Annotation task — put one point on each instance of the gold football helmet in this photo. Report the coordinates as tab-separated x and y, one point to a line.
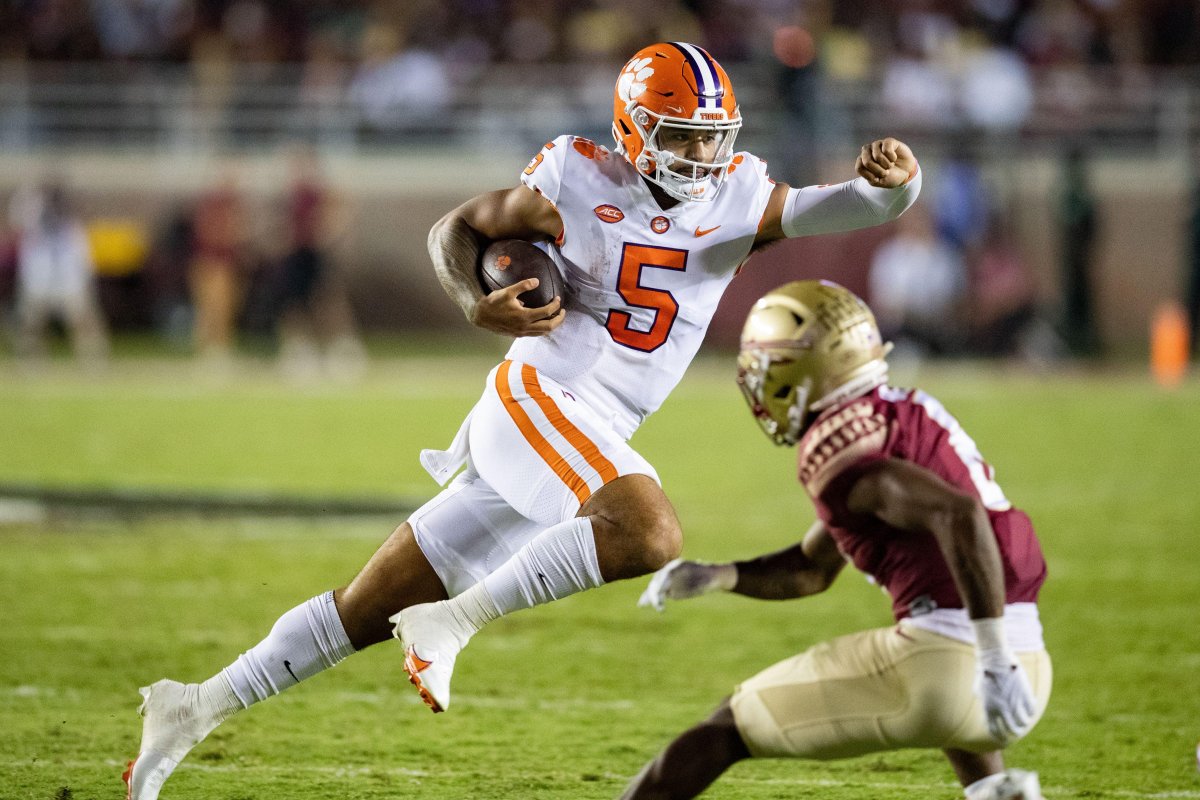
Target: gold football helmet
805	347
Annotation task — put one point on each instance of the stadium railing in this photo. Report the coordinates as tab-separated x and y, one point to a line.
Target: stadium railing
189	109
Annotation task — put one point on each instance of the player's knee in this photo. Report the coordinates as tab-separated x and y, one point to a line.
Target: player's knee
635	525
635	546
669	545
662	541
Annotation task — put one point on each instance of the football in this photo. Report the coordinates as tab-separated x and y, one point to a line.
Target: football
508	261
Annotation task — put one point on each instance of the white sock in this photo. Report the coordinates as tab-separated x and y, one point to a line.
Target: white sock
559	561
305	641
474	607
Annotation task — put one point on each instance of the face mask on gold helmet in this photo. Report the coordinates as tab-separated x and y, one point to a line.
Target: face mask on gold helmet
805	347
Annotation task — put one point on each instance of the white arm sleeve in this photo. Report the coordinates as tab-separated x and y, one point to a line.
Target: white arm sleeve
845	206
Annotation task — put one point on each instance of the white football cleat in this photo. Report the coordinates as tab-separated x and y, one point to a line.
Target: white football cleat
172	726
432	637
1013	784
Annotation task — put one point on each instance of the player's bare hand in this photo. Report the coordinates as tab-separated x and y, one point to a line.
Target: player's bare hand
886	163
502	312
681	579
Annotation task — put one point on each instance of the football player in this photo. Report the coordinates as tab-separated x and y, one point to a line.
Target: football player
553	500
901	492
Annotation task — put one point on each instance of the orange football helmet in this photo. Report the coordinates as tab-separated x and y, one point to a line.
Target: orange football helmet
667	88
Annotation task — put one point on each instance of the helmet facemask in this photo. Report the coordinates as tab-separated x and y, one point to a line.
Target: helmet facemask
680	177
779	403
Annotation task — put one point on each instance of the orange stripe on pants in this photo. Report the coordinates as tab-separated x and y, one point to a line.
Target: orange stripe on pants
543	448
586	447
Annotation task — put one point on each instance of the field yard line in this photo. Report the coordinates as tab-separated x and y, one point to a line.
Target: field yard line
442	773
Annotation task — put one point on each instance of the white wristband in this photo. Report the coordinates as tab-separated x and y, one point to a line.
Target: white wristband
989	634
727	576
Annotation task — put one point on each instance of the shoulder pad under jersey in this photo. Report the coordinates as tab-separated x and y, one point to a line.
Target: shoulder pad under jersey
835	443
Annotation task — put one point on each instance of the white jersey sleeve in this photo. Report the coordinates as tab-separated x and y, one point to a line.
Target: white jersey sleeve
545	171
848	206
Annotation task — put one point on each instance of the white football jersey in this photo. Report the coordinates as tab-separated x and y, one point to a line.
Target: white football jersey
642	283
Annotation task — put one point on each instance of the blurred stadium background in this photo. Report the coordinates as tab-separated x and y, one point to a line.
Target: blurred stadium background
1060	225
1059	139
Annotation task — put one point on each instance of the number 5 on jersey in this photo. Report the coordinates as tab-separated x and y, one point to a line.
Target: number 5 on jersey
634	259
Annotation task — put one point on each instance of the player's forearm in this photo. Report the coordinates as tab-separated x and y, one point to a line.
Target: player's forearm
783	575
969	546
845	206
454	249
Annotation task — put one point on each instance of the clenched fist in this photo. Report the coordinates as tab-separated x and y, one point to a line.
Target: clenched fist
886	163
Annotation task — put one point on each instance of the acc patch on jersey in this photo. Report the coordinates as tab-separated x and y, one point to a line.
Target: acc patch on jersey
609	213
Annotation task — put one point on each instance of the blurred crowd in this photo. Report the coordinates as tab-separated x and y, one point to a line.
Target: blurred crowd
950	278
473	33
373	69
203	279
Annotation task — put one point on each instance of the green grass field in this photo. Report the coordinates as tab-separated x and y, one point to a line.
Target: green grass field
568	700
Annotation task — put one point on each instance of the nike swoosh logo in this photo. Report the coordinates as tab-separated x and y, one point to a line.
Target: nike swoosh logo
288	666
707	231
414	663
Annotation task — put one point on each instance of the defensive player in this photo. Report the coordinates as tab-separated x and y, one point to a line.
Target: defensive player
902	492
553	500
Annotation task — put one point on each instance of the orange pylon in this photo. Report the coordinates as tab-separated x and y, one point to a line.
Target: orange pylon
1169	344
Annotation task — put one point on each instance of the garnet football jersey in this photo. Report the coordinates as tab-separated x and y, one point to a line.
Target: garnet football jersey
911	425
642	282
